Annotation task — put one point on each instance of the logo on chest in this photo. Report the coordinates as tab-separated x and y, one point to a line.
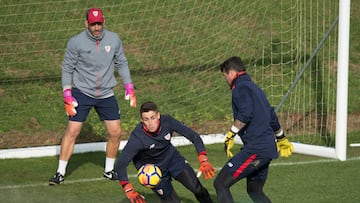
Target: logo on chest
107	48
167	136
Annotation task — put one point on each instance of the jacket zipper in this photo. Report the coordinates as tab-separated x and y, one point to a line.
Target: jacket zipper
97	91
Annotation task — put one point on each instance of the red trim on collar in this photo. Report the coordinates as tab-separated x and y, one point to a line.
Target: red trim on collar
238	74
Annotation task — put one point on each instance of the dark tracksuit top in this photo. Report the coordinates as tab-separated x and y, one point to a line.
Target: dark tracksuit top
156	148
251	106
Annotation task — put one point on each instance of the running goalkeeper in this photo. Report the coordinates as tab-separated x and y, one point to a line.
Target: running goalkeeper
150	142
256	122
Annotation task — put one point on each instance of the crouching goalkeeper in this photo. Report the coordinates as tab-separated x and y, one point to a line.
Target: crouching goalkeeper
256	122
150	143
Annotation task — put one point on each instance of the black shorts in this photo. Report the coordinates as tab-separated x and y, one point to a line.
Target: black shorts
106	108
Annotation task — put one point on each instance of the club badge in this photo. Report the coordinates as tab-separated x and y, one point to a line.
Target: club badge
160	192
95	13
167	136
107	48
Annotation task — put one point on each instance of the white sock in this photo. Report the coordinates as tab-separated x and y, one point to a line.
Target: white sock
62	167
109	164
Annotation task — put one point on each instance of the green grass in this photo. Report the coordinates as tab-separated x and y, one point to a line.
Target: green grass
296	179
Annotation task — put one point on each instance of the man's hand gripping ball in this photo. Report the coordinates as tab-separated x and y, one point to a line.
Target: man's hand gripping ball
70	103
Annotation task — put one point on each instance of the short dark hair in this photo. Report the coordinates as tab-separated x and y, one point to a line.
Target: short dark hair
148	106
234	62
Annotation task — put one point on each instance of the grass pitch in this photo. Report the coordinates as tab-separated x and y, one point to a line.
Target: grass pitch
296	179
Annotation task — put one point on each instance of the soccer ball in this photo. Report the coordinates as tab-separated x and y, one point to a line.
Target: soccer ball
149	175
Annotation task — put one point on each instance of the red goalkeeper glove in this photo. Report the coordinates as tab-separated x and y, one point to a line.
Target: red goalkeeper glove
284	147
205	167
133	196
130	94
70	103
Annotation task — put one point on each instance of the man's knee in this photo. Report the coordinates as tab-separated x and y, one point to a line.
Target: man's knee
114	133
203	196
255	191
73	130
223	180
113	128
218	184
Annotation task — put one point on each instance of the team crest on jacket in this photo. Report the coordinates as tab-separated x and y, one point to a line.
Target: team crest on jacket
107	48
167	136
160	192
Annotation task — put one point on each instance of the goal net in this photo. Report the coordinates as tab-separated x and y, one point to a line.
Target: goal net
174	49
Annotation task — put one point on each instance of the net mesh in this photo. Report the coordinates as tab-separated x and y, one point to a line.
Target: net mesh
174	49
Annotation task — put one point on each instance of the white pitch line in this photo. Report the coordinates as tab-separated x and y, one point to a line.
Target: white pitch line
313	162
134	175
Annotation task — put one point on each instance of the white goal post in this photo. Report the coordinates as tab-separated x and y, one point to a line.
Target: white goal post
342	81
339	151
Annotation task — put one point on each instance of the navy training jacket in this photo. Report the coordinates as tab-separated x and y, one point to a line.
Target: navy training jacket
156	148
250	106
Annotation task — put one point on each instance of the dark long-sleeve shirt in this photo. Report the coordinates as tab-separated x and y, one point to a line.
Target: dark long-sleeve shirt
144	147
250	106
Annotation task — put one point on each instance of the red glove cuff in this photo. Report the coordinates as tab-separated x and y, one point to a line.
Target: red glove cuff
202	158
123	183
128	187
